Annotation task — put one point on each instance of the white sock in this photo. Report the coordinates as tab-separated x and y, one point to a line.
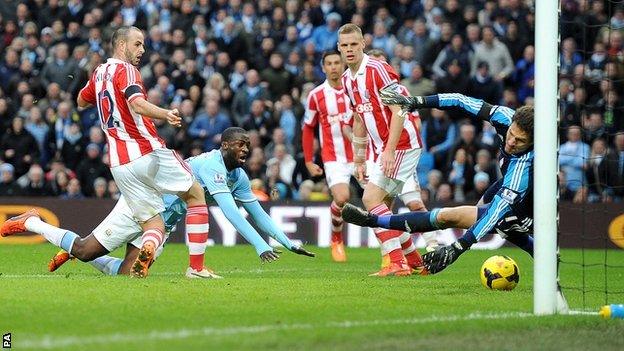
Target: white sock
431	238
51	233
107	264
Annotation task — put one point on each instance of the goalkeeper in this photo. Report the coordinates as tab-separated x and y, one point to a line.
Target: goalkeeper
223	180
507	206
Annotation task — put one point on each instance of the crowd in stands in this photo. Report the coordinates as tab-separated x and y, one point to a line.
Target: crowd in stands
252	63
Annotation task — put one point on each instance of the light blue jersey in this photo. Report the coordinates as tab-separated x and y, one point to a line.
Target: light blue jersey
223	188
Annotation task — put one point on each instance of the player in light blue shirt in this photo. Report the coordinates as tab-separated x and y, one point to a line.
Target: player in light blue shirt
224	182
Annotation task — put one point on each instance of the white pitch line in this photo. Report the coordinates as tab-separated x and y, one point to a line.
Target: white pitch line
48	341
181	273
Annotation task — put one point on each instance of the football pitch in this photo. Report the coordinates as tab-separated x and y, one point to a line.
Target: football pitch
296	303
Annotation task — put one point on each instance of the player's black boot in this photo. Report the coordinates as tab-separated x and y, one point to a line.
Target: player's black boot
436	261
357	216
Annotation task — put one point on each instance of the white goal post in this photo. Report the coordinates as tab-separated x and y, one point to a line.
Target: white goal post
546	162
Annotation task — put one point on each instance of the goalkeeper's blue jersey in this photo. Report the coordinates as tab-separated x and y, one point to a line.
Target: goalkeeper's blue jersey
513	196
211	173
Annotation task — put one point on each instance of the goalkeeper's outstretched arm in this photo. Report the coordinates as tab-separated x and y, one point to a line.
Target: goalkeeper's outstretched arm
473	106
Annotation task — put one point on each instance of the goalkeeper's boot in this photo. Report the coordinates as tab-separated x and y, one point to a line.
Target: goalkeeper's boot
17	224
357	216
144	260
205	273
337	249
59	259
394	269
436	261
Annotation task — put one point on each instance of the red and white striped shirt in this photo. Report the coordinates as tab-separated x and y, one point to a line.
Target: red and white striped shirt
328	107
113	85
363	91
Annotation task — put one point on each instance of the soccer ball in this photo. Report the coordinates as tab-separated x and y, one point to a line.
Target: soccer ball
500	273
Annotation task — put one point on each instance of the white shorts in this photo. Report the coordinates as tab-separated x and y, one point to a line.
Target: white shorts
119	228
338	172
404	168
144	181
411	190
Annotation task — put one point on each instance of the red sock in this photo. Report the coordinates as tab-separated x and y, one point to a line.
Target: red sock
197	235
337	222
390	243
154	235
409	250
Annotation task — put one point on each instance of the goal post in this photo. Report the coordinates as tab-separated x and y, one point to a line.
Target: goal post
546	162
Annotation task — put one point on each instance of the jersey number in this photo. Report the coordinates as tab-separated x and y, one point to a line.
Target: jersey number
106	108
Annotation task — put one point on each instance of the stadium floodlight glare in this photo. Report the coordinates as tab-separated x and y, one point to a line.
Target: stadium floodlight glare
546	145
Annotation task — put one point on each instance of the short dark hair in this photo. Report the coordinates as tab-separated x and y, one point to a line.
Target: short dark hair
122	34
230	134
524	117
328	53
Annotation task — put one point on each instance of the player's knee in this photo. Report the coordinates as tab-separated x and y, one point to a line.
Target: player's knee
195	195
341	198
82	252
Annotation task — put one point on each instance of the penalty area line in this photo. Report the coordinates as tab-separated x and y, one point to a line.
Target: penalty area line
51	342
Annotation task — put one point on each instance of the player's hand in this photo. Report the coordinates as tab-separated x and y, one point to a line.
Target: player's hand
359	171
269	256
173	117
388	163
314	169
390	96
299	250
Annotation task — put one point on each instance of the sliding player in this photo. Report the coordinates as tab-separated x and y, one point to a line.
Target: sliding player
223	181
394	143
507	206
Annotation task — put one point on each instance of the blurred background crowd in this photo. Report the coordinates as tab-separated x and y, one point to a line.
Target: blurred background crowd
252	63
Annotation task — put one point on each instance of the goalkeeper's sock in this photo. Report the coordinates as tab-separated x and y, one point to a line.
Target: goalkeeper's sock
390	242
51	233
107	264
420	221
197	235
525	242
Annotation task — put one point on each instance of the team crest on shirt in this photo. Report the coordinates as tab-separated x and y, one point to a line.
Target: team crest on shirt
219	178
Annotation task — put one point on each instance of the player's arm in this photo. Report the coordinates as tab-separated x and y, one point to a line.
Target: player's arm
307	136
230	210
86	96
266	224
145	108
396	127
360	142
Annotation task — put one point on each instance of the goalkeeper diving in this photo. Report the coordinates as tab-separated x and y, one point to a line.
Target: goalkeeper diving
506	207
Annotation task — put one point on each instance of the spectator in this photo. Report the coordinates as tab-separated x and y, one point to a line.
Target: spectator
91	168
258	119
99	188
61	69
456	80
279	80
259	190
481	184
113	190
467	141
285	161
209	125
325	37
573	155
8	186
445	193
417	84
438	134
460	174
434	180
456	51
483	86
19	147
492	51
33	183
382	40
524	76
73	191
244	97
485	165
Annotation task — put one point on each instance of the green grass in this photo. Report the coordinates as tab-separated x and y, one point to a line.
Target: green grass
296	303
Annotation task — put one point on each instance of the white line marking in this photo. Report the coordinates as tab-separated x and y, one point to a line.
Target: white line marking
181	273
49	341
